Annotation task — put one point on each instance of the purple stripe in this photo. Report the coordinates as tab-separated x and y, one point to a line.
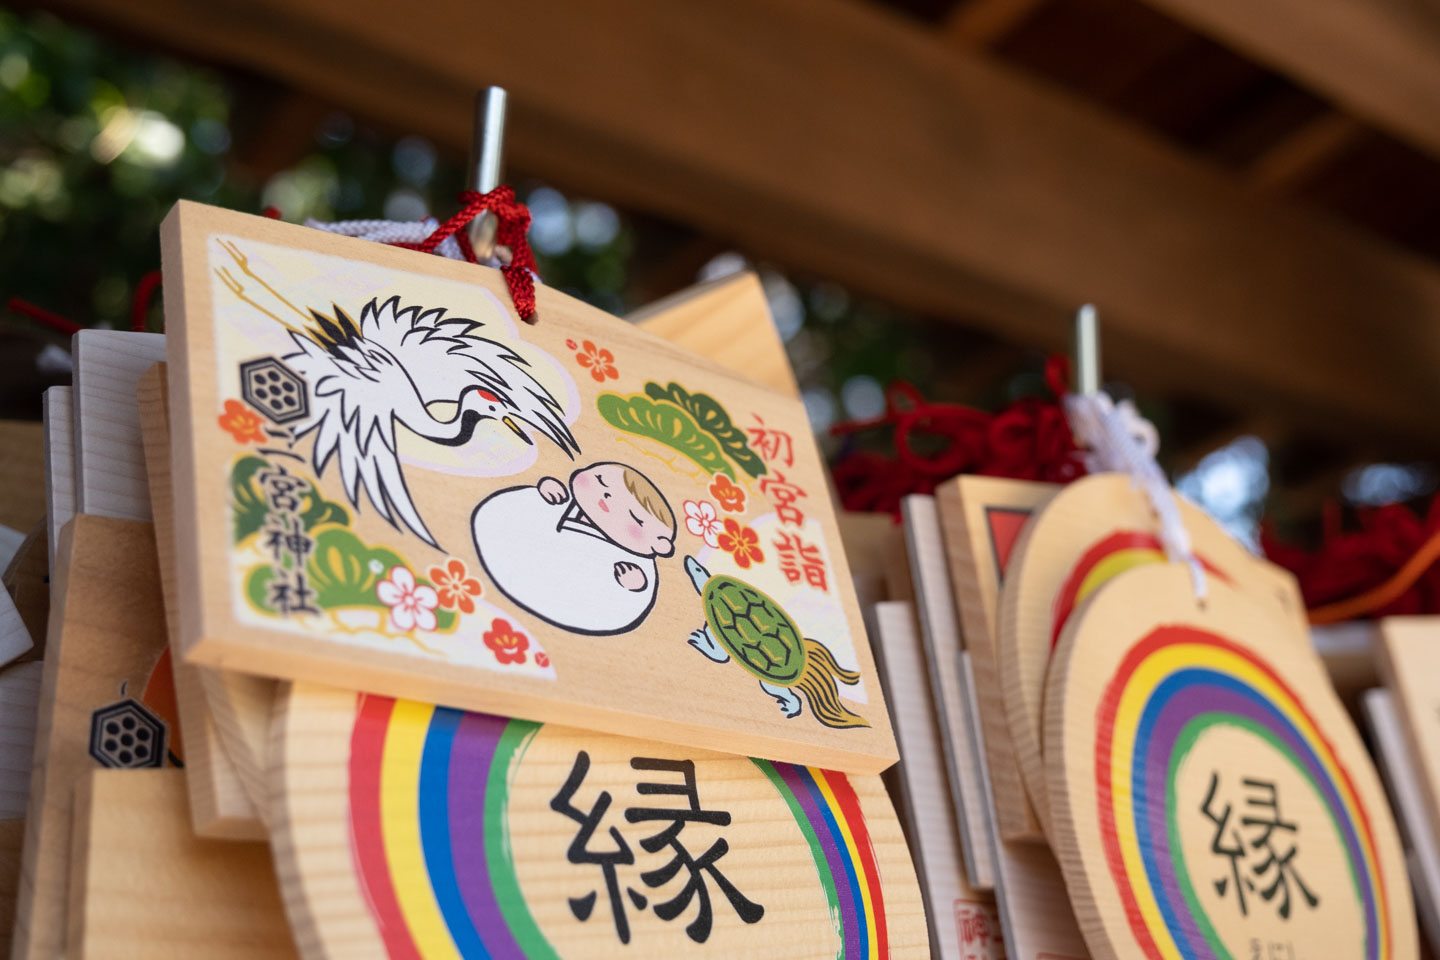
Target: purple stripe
834	848
471	755
1212	697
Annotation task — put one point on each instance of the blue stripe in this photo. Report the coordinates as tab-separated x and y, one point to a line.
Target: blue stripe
435	833
838	838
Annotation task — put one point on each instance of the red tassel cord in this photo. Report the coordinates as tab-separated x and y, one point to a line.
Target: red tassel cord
514	222
43	317
1387	567
1028	440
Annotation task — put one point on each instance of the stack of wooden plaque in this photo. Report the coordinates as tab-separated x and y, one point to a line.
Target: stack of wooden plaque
613	559
1104	754
384	624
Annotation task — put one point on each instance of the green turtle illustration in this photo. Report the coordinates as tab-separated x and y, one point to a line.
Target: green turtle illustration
745	623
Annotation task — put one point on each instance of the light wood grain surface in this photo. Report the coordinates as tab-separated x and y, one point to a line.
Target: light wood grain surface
107	633
12	840
940	628
1410	663
219	804
1204	776
980	517
1030	892
964	923
728	321
59	422
145	887
109	460
1399	768
22	474
19	710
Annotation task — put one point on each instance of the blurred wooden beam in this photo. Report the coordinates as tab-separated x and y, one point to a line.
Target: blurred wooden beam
1377	58
838	138
980	24
1296	160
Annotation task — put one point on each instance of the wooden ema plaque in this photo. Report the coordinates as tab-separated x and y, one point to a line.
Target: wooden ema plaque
1092	530
143	885
220	806
1410	662
106	700
964	921
982	518
408	830
1210	795
949	687
1401	777
228	786
398	487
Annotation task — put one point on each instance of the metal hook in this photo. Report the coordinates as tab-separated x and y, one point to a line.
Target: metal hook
1087	349
487	152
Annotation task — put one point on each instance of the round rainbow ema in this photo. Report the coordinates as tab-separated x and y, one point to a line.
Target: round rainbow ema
429	788
1169	689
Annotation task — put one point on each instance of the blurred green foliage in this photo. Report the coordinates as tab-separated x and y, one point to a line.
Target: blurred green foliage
98	140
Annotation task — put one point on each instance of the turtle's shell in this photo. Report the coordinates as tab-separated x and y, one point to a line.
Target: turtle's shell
755	629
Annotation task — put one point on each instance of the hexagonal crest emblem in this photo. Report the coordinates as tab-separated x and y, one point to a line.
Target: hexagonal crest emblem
274	389
126	734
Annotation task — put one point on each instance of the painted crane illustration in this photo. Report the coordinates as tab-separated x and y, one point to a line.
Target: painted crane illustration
389	369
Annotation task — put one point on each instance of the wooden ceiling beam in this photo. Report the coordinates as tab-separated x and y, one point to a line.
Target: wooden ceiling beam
1296	160
846	141
981	24
1375	58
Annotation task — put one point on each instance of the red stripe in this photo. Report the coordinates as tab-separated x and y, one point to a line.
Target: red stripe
1124	540
367	844
855	819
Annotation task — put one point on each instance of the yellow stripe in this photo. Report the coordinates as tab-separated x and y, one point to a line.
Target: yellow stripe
1112	566
1142	684
400	823
853	852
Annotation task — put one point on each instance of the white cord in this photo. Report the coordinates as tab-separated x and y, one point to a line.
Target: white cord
393	231
1120	440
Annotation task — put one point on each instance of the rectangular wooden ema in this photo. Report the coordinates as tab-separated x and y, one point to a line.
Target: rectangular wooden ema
963	920
940	630
228	779
220	805
142	884
384	480
1410	666
981	518
106	699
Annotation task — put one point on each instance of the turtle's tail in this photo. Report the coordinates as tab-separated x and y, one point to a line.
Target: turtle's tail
818	681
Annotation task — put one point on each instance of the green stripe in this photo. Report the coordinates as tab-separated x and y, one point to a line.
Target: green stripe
1184	743
500	857
821	865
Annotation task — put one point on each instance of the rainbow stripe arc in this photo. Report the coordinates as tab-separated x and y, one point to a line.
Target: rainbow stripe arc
429	793
1171	687
1105	560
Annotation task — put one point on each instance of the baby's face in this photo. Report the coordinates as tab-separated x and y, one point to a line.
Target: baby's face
600	492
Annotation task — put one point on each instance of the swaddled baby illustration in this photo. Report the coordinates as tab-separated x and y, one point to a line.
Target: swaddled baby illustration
579	555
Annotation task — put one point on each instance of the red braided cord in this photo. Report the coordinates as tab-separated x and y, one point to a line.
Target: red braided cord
39	314
1028	440
140	305
514	223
